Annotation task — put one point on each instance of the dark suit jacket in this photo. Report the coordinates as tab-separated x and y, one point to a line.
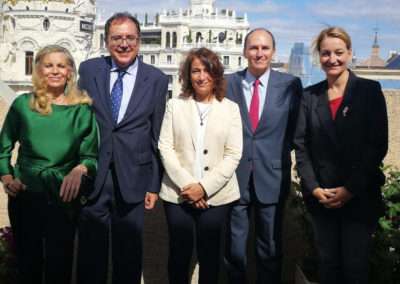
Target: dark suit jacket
266	152
132	143
346	151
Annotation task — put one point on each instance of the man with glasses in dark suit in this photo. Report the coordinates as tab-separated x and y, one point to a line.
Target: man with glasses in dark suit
129	101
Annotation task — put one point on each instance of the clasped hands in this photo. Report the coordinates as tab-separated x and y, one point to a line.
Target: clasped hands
332	197
195	195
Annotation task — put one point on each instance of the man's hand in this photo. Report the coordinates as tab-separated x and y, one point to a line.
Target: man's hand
150	200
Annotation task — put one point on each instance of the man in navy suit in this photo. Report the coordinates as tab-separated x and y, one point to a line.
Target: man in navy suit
269	102
129	101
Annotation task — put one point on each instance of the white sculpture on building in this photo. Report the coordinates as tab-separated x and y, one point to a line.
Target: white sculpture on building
26	26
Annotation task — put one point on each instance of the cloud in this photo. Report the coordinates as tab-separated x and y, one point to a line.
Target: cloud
383	10
139	7
264	7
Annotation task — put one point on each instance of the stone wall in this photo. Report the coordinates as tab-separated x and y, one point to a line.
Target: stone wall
393	107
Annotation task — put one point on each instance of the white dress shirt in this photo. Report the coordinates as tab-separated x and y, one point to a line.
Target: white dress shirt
248	87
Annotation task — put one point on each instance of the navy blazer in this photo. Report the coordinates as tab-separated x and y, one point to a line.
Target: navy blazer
347	151
131	145
266	152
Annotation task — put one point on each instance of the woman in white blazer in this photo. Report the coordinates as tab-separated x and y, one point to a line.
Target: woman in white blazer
200	145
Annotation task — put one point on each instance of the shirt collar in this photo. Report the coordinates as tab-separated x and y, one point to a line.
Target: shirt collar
250	78
130	70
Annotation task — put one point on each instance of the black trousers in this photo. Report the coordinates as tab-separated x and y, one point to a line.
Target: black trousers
107	212
185	224
44	236
343	244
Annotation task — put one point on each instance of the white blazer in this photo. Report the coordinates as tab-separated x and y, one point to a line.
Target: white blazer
223	144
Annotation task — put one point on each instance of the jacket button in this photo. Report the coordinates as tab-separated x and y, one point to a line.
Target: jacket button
206	168
205	151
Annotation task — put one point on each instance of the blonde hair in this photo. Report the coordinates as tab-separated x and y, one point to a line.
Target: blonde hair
40	101
336	32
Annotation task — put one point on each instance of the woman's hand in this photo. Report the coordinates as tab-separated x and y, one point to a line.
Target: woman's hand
340	196
322	194
12	186
201	204
193	192
71	183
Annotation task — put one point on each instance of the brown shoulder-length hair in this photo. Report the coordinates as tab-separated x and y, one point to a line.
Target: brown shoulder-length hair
213	66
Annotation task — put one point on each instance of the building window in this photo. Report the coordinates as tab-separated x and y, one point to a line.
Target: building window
170	79
239	61
168	40
199	38
46	24
169	59
174	40
141	57
102	41
226	60
169	94
28	62
152	59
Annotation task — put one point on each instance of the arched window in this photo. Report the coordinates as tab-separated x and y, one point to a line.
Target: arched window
174	39
168	40
101	40
46	24
28	62
198	37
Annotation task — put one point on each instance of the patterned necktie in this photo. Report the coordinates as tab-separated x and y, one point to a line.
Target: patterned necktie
116	95
255	106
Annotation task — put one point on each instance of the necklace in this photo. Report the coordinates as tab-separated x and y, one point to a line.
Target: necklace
59	100
202	114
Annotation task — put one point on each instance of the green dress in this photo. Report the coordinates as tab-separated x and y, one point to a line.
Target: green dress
50	145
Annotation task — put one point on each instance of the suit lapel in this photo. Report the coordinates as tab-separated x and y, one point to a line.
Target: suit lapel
102	79
271	97
239	98
139	90
189	112
346	105
324	113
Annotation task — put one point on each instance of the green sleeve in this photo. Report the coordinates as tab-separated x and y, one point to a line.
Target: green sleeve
89	146
8	137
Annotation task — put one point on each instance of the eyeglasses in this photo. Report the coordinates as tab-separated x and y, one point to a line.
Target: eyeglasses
129	39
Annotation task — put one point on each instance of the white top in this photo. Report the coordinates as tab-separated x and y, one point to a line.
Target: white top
203	109
180	149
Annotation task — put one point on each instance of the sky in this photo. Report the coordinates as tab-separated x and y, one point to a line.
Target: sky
297	20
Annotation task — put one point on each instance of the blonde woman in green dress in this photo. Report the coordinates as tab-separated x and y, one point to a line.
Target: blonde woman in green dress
57	133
